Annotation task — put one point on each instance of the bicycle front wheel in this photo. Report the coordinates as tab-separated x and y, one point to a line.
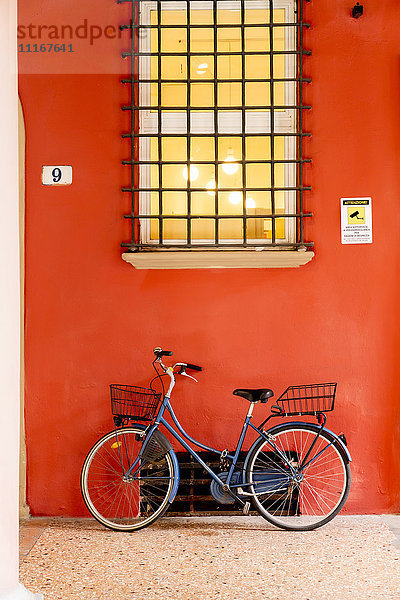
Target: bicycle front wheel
118	501
309	494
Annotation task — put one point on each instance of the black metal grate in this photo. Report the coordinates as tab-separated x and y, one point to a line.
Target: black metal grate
194	496
264	205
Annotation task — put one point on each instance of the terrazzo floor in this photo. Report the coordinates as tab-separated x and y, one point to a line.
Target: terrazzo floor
211	558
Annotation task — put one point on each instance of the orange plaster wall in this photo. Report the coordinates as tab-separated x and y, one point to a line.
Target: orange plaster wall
91	319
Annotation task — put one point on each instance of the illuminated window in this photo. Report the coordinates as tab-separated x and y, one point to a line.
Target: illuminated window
217	135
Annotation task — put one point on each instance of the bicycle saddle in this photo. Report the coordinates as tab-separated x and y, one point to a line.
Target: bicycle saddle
260	395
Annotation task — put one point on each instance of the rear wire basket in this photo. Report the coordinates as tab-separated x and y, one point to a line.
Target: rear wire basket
307	399
133	402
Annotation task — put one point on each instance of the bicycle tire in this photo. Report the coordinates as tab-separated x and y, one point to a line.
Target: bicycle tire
125	504
318	493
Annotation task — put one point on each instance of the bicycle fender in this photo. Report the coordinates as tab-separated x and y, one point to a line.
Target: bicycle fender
176	482
162	441
277	428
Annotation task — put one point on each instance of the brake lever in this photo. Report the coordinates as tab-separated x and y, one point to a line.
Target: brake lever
182	371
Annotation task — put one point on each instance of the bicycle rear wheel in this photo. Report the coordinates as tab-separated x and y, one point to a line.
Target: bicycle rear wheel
310	496
119	502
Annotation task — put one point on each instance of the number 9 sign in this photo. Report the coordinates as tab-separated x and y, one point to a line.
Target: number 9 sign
57	175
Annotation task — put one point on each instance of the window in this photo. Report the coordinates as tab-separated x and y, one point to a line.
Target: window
217	125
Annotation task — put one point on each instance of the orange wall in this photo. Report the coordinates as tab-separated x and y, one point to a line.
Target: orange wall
91	319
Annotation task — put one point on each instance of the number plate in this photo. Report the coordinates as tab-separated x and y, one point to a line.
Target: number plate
57	175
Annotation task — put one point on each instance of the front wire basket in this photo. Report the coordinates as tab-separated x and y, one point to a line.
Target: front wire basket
307	399
133	402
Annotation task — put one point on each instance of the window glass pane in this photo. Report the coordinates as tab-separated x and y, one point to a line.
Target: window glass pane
202	67
230	175
154	183
257	94
201	121
279	147
229	40
173	67
279	66
173	94
278	16
203	203
202	94
153	40
229	67
230	94
258	148
256	15
153	148
152	98
257	66
153	68
202	40
202	148
203	229
260	200
174	203
256	39
201	17
202	175
173	17
173	40
279	38
174	148
230	203
258	175
153	18
175	229
230	229
279	94
227	17
174	176
154	223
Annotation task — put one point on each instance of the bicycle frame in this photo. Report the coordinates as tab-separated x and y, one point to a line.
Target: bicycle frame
226	485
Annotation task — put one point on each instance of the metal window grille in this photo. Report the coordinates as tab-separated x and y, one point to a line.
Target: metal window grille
162	203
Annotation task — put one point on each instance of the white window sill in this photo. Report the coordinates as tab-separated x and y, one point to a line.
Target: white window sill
245	259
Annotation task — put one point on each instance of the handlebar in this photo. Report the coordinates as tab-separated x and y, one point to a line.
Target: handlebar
159	352
193	367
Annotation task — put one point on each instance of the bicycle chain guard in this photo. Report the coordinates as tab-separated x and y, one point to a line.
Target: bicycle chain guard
218	493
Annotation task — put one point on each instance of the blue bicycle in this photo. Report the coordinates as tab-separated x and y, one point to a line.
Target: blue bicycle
296	474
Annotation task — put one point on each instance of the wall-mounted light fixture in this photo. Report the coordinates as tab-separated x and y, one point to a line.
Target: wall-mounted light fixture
358	10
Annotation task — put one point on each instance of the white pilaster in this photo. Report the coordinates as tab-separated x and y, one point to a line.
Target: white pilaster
10	589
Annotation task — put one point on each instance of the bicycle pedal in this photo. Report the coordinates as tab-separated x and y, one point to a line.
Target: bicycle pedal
246	508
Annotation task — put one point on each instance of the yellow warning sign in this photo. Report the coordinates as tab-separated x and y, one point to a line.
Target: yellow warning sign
356	215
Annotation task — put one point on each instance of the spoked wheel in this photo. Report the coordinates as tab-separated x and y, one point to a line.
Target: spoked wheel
313	492
121	502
